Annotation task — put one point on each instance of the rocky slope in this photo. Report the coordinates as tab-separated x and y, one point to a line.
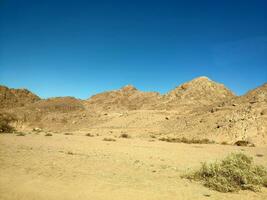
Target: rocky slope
16	97
126	98
201	90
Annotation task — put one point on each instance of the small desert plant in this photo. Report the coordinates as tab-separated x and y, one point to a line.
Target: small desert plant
70	153
48	134
89	135
244	143
109	139
125	135
235	172
21	134
68	133
187	141
224	143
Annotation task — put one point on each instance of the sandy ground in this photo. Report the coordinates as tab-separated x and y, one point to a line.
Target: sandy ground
80	167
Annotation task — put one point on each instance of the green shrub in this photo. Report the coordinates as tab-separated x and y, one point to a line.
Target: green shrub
235	172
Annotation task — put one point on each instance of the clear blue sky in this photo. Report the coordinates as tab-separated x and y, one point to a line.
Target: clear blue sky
79	48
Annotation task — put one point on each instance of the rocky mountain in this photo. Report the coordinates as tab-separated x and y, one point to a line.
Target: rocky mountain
201	90
257	95
126	98
16	97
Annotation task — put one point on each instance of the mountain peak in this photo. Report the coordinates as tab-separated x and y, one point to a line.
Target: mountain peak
127	88
201	89
202	78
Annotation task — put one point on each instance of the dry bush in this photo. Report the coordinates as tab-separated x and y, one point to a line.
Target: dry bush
21	134
68	133
48	134
109	139
89	135
187	141
235	172
125	135
244	143
5	120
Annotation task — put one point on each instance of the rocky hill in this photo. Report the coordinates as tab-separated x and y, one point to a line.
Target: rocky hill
126	98
16	97
201	90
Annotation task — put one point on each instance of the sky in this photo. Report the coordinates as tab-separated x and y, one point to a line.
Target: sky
83	47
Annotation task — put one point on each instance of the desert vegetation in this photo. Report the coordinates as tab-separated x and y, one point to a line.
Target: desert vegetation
244	143
125	135
187	141
68	133
109	139
235	172
89	135
20	134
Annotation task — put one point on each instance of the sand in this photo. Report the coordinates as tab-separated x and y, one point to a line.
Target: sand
79	167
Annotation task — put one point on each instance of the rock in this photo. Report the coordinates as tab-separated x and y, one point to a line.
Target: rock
37	129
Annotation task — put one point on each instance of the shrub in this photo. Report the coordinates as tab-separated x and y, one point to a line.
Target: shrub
224	143
5	120
48	134
244	143
68	133
21	134
109	139
235	172
187	141
89	135
125	135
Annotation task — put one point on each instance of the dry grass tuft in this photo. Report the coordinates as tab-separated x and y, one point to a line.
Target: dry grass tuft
21	134
235	172
109	139
125	135
187	141
224	143
68	133
244	143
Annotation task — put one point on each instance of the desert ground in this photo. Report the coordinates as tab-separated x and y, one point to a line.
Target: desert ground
76	166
